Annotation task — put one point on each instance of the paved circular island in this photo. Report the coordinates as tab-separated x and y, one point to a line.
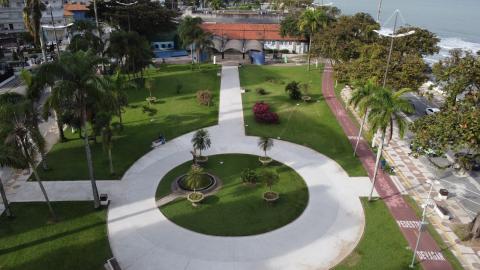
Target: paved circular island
324	234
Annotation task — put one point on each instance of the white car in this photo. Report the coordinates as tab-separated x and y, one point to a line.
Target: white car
429	111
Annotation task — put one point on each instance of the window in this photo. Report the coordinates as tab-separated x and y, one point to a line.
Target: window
156	46
10	26
163	46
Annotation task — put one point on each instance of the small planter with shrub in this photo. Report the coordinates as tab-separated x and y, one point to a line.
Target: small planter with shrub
270	178
201	141
265	144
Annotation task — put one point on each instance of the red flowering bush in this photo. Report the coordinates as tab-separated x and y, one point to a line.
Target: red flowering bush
263	114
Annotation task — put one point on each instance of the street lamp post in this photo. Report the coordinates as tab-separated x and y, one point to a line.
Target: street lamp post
392	36
379	10
423	223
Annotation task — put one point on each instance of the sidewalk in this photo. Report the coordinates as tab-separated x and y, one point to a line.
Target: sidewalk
428	252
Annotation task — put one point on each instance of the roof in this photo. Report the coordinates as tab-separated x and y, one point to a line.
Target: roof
247	31
68	9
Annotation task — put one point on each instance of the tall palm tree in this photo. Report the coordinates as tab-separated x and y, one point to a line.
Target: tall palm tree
265	143
9	158
116	88
360	99
28	143
201	140
310	21
189	30
78	80
32	15
103	125
386	110
203	41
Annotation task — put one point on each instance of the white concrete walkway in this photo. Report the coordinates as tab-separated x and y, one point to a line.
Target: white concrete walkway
328	230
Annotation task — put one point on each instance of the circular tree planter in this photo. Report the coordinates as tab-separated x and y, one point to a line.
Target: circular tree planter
265	160
201	159
195	198
271	196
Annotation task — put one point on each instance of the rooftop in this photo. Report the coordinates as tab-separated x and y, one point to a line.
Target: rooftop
247	31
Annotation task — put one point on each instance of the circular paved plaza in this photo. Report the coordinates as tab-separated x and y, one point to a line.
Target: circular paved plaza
327	231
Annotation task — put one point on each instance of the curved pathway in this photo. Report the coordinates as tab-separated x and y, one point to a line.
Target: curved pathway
327	231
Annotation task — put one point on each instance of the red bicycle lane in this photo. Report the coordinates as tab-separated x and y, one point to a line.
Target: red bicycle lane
429	253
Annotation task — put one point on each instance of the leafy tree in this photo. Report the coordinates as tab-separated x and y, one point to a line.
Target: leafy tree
9	158
84	37
289	26
131	51
201	141
342	40
78	81
136	17
456	127
265	143
422	42
458	75
310	22
293	90
386	109
249	176
406	71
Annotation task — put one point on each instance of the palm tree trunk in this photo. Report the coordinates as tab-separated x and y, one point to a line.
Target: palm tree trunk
110	161
8	211
309	51
265	153
88	152
60	130
42	188
377	163
360	133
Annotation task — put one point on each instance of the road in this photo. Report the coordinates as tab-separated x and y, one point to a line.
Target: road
466	190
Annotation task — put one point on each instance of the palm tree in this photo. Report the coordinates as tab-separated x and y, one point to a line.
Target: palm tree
32	15
190	32
194	177
9	158
310	21
116	88
28	143
360	99
203	41
201	141
386	109
265	143
77	80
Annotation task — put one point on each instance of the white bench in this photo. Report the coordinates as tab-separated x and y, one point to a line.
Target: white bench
442	212
112	264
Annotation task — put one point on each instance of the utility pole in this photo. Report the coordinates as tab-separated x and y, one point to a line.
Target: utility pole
391	48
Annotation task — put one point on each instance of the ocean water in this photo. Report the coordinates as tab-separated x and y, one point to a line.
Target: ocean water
456	22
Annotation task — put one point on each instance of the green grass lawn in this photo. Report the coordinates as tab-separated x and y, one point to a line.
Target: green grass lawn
77	241
311	124
176	114
237	209
382	245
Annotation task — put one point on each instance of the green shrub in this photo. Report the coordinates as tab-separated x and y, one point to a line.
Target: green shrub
261	91
205	97
293	90
249	176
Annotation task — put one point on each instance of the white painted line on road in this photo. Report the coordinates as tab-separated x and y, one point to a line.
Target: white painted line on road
409	224
430	256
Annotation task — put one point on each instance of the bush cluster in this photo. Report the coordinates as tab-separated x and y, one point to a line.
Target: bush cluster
263	114
205	97
261	91
249	176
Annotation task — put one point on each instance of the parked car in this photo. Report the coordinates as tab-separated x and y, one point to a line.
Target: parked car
429	111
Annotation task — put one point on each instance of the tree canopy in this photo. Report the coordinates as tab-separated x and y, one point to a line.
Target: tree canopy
146	17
